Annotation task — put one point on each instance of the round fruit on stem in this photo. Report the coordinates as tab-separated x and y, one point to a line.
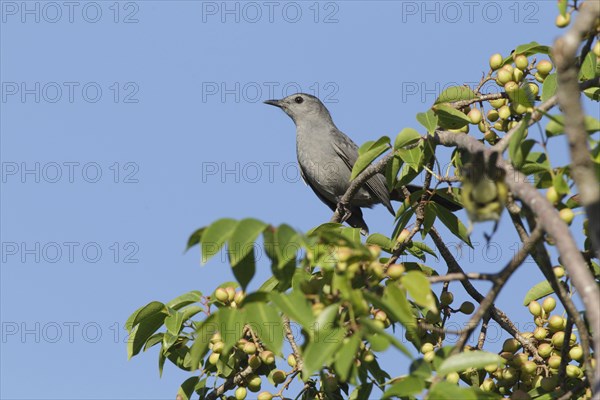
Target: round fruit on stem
254	361
278	376
241	393
395	271
544	67
221	295
230	292
249	348
254	383
535	308
496	61
475	116
563	20
567	215
446	298
267	357
521	62
467	307
291	360
549	304
264	396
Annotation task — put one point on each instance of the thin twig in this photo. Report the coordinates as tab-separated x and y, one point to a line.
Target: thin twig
497	315
499	282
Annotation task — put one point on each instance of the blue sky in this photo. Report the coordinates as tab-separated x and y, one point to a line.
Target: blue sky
127	125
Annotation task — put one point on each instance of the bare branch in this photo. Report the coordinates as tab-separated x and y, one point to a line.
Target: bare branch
499	282
496	314
290	337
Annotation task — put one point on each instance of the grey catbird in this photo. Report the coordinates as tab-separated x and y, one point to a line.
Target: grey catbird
326	157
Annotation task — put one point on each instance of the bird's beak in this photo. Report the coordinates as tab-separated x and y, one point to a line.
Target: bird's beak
276	103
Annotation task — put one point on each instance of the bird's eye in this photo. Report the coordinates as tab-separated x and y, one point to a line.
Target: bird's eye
299	100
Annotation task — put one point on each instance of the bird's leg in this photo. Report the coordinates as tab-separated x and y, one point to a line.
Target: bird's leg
344	210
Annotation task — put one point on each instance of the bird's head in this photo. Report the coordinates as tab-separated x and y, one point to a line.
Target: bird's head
302	106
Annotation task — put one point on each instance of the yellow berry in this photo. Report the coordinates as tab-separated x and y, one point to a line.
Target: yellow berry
496	61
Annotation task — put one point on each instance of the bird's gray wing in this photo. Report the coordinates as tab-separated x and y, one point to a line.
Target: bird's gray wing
347	150
356	218
329	203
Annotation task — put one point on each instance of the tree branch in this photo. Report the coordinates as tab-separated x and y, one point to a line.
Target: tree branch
567	68
496	314
235	380
551	223
290	337
499	282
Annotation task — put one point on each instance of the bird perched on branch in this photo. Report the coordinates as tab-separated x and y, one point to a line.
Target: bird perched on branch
326	157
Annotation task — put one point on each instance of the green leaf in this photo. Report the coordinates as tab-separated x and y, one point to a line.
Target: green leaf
195	238
419	289
145	312
204	333
405	137
395	305
345	359
185	299
523	96
391	171
592	93
143	330
381	240
429	120
588	68
452	222
538	291
266	323
374	328
514	145
455	93
557	126
173	323
245	269
269	285
450	118
407	386
189	312
549	87
562	7
186	390
153	340
324	339
282	245
288	244
168	341
231	325
362	392
241	242
559	182
450	391
422	246
531	48
411	157
469	359
214	237
295	306
369	154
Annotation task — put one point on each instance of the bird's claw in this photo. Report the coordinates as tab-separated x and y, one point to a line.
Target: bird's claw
344	211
